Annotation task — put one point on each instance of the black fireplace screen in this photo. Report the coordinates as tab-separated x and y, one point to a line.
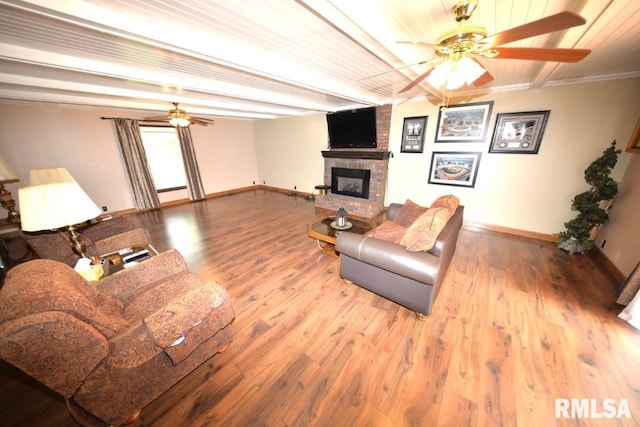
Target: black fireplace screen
350	182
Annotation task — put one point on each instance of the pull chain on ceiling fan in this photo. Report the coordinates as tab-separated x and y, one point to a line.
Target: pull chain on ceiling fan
179	118
459	47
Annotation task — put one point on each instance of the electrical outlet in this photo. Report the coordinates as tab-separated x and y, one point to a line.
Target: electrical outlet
615	256
104	209
295	188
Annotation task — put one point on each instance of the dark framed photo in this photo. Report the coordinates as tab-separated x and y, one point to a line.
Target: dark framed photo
454	168
413	131
634	143
519	133
464	122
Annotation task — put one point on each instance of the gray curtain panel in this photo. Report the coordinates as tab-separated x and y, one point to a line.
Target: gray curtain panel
135	160
194	181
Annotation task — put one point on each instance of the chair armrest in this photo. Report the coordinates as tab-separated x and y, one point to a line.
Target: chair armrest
135	237
420	266
128	283
53	347
190	319
103	229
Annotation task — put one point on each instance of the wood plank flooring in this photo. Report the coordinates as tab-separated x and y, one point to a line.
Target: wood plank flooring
518	324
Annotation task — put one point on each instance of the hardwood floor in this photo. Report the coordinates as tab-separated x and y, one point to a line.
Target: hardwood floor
517	325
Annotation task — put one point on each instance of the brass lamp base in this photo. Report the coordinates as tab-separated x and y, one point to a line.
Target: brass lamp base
7	202
76	243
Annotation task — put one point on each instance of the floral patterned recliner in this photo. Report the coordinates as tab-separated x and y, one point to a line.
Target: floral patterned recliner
110	349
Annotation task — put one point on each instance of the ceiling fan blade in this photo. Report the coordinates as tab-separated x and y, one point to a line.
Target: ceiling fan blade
426	61
557	22
420	78
485	78
156	118
201	121
418	43
542	54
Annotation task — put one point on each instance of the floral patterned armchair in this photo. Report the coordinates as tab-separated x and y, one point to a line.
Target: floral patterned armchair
100	238
110	349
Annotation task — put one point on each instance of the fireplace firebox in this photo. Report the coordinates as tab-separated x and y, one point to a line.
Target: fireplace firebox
350	182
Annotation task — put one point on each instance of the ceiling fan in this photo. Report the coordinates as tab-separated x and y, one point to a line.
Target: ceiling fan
463	44
179	118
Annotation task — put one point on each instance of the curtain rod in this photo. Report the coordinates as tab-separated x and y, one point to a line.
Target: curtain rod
140	120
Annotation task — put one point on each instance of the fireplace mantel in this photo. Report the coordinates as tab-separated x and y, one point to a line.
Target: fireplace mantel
356	154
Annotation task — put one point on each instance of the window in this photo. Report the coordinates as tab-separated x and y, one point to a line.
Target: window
162	146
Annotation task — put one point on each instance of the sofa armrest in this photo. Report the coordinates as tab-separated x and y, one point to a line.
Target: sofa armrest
128	283
53	347
135	237
420	266
393	210
190	319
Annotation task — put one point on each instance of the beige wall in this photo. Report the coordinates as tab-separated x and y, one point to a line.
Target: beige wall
622	232
40	136
288	151
524	192
532	193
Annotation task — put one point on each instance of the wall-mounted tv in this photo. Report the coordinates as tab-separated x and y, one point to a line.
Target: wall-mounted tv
352	128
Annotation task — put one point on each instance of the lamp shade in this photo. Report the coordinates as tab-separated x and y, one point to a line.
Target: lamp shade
6	173
51	206
49	176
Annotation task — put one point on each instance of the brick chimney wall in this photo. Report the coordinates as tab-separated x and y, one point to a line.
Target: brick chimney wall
356	206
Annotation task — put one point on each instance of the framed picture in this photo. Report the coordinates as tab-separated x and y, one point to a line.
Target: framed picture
464	122
634	143
519	133
454	168
413	131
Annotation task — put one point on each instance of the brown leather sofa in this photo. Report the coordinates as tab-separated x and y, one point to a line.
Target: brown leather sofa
411	279
111	348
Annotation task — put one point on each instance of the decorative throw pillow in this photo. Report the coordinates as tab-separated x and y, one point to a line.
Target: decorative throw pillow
388	231
408	213
449	201
424	231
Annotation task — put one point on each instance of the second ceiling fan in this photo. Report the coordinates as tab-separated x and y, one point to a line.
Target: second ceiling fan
462	45
179	118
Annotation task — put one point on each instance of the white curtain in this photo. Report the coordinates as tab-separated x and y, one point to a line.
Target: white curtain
631	312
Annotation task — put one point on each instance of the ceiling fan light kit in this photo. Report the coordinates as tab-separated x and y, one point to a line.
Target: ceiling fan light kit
179	118
453	74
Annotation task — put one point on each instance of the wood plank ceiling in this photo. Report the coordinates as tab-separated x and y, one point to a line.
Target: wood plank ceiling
279	58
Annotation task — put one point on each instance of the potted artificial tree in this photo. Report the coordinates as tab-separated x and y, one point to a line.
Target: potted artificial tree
580	231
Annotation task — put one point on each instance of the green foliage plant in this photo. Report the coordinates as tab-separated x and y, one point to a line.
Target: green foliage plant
576	238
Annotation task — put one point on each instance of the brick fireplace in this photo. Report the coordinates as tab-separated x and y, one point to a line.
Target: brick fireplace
375	161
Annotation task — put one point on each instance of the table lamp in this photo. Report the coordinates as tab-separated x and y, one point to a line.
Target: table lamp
49	176
7	176
57	206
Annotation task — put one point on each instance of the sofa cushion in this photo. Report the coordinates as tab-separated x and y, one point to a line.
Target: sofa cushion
388	231
408	213
448	201
423	233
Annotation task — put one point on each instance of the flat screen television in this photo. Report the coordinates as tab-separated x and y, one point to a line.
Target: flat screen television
352	128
